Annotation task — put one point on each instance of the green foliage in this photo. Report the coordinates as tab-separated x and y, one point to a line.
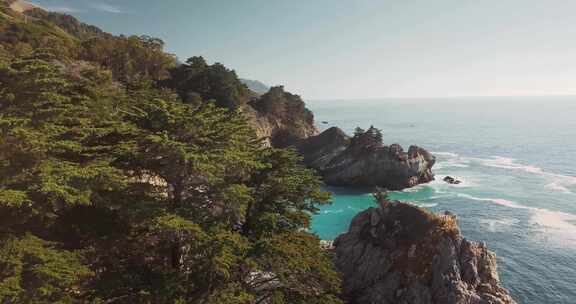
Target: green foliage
366	140
160	200
50	146
287	108
277	102
21	36
196	80
381	196
67	23
298	271
131	59
120	185
35	271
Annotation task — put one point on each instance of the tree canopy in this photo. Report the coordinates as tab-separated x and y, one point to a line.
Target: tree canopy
115	188
366	139
197	80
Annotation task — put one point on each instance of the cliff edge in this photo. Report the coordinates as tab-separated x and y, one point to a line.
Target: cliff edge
281	117
400	253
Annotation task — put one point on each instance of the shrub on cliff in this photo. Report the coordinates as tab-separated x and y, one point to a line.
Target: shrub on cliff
366	140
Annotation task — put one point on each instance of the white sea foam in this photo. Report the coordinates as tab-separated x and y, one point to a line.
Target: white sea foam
561	183
558	182
448	154
557	222
433	197
465	182
449	164
497	225
450	160
507	163
423	205
332	211
428	205
558	187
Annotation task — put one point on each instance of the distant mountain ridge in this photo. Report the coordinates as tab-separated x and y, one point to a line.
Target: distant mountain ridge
255	85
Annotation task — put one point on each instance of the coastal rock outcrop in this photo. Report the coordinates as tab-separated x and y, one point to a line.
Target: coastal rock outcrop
400	253
279	132
281	118
363	160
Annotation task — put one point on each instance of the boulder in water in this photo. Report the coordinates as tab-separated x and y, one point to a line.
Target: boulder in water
452	180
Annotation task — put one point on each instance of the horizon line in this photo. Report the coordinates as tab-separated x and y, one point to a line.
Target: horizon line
440	97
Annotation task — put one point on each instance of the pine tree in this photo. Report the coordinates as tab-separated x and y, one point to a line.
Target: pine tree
149	199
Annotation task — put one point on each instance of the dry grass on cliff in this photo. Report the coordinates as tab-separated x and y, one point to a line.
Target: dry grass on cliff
419	237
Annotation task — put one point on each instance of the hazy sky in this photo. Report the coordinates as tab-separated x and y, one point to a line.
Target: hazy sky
325	49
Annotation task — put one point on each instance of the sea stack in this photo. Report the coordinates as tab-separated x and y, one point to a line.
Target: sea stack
400	253
363	160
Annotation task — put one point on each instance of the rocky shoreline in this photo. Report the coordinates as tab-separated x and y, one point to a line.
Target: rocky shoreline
397	252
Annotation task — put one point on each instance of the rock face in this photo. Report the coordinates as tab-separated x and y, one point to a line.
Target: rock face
280	117
357	161
278	132
399	253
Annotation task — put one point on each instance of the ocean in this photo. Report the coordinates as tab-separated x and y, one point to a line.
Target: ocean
516	157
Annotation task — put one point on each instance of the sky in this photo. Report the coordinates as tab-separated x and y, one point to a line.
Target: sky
356	49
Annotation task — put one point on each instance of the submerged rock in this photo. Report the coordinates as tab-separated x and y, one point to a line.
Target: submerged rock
451	180
363	160
400	253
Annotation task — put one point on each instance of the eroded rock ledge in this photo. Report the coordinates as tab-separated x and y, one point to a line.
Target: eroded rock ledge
363	160
399	253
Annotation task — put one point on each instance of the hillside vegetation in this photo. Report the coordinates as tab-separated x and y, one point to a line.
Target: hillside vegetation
128	178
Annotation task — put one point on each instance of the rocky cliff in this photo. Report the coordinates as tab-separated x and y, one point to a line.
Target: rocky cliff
278	132
399	253
281	117
363	160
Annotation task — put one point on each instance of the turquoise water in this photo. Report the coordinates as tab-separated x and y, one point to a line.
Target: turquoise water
517	160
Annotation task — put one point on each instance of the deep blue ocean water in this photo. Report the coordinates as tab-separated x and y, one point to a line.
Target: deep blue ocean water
517	160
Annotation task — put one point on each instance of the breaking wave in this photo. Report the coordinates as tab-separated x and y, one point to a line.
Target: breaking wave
557	182
560	222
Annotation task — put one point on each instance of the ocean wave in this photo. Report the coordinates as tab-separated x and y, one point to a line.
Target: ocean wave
498	225
562	183
432	205
559	222
507	163
413	189
444	165
450	160
448	154
422	205
498	201
558	182
331	211
465	182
